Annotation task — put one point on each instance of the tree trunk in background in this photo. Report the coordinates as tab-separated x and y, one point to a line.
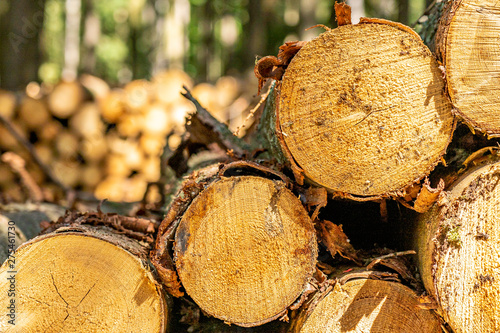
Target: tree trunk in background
160	38
19	43
403	11
256	33
72	39
178	45
307	19
205	56
91	35
357	9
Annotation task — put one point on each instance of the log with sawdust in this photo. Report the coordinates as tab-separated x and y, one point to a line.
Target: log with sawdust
245	248
81	279
365	305
466	42
458	250
360	109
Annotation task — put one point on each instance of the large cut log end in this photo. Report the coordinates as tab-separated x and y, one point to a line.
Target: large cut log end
468	44
245	250
362	109
85	280
362	305
458	251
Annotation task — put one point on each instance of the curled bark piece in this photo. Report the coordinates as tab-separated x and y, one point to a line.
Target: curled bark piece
427	196
256	166
138	228
336	241
342	13
315	196
366	274
476	157
394	263
272	67
268	67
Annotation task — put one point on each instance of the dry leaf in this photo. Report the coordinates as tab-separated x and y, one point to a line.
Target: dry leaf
396	264
334	238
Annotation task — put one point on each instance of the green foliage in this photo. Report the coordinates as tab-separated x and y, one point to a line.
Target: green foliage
110	13
221	35
111	53
50	72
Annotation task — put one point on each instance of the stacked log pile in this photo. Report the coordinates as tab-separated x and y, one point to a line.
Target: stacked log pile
108	141
261	232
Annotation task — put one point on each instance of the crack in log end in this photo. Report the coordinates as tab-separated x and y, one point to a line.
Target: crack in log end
57	290
142	294
274	225
87	293
236	180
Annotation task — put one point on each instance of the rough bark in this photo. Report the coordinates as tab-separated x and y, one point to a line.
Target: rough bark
457	242
83	279
245	248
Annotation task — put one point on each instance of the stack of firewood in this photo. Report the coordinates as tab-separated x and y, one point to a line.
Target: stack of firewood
108	141
363	114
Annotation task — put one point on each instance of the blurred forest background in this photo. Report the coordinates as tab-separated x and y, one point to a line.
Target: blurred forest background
122	40
93	87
